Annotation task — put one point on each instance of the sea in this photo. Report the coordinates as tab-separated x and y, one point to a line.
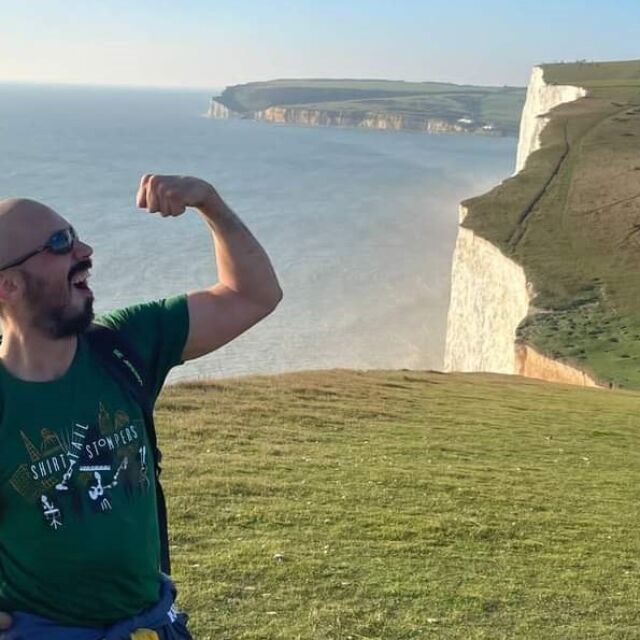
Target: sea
360	225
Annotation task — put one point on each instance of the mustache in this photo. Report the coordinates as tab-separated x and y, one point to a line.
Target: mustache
80	266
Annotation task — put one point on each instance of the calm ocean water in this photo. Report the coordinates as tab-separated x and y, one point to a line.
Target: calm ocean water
359	225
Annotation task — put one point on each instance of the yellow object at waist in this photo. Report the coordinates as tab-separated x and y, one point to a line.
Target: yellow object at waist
144	634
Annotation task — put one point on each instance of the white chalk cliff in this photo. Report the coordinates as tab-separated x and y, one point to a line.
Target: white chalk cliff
336	118
488	300
490	294
541	98
218	110
330	118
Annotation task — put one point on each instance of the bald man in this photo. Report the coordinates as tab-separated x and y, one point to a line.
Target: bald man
79	541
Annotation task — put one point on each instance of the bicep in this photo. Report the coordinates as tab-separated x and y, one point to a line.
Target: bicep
216	316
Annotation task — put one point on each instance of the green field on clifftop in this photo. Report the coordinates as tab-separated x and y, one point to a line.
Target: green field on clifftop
498	106
571	218
396	505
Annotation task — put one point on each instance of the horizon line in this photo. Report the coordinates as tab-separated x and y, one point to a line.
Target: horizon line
211	88
95	85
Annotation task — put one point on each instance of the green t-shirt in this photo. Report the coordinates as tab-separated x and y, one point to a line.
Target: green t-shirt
78	523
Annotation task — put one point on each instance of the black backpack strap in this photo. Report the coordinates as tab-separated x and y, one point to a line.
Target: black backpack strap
121	359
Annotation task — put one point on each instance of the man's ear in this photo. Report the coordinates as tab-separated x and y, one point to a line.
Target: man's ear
8	287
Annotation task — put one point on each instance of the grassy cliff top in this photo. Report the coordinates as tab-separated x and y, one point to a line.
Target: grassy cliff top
571	218
593	74
402	505
499	106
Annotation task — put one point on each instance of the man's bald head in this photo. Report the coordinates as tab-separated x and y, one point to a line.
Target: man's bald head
24	225
39	294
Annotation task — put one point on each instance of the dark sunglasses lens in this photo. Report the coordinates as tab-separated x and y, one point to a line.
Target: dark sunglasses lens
62	241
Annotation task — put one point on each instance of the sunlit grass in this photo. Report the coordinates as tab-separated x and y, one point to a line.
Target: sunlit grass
403	504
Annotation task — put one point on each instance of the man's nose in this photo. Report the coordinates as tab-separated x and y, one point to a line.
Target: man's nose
82	249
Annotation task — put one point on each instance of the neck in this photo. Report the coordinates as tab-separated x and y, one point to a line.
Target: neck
33	357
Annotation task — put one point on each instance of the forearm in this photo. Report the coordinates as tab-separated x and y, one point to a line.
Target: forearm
243	265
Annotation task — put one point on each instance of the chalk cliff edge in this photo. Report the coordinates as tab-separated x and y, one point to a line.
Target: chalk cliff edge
490	293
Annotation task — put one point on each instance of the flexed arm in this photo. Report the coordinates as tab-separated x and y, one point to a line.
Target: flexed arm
247	289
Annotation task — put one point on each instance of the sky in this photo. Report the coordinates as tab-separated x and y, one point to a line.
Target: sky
204	44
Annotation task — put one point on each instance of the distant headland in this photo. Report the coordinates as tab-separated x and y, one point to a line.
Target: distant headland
432	107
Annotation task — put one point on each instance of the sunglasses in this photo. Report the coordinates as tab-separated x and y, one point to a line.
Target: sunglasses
60	242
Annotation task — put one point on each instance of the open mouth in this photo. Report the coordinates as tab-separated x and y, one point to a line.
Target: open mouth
79	280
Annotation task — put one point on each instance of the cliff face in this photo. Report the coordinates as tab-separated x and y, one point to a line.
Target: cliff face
490	294
317	117
488	300
541	98
532	364
328	118
218	110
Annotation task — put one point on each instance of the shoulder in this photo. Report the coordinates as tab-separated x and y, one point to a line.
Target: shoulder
141	314
156	331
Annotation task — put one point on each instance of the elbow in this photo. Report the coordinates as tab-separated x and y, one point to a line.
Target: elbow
275	293
277	298
271	301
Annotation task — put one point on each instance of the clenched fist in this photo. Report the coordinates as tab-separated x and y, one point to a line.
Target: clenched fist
170	195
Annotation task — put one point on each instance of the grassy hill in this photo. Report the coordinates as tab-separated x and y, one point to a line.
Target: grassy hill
572	218
500	106
403	504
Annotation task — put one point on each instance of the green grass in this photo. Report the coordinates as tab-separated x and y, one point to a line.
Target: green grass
569	218
594	73
403	504
500	106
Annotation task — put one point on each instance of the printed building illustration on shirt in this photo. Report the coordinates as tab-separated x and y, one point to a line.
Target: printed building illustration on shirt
84	463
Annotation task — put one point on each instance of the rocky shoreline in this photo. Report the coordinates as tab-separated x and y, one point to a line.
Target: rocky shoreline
365	120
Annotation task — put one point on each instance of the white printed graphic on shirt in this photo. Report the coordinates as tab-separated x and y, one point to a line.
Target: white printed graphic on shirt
51	514
144	478
99	489
78	436
78	472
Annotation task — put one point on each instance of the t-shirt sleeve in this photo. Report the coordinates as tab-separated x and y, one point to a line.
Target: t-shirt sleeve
158	331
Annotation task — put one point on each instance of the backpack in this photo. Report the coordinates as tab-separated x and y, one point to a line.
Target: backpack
122	361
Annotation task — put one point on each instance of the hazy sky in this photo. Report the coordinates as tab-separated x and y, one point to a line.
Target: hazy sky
209	44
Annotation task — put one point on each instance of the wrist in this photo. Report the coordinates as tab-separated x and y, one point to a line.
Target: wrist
211	203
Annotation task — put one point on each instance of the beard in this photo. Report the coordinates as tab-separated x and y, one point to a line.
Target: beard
52	312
